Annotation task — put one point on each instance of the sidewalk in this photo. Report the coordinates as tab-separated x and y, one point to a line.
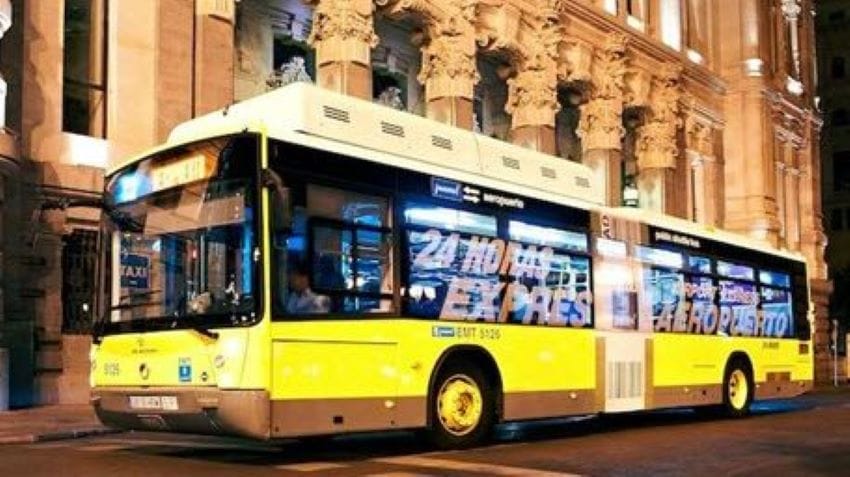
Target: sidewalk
49	423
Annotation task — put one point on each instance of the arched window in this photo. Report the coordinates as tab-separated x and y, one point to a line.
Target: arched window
838	69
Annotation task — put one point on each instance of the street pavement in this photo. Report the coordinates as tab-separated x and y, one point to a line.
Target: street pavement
806	436
49	423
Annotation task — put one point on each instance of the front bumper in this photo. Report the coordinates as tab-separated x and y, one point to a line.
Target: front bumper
200	410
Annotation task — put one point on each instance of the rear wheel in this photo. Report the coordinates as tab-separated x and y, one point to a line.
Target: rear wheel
462	407
737	388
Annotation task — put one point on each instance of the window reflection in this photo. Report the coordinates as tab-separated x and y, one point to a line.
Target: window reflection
451	219
532	278
547	236
336	256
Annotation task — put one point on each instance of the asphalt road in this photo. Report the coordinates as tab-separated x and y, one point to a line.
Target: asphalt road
807	436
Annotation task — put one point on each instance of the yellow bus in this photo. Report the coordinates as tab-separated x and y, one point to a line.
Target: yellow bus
307	264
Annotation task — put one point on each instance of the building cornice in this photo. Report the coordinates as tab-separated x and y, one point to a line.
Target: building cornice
643	43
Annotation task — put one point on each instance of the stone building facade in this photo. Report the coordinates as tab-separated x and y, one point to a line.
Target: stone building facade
703	109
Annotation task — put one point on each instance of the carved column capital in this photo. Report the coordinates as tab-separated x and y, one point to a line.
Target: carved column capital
791	10
601	123
343	30
657	145
576	60
533	92
699	136
449	68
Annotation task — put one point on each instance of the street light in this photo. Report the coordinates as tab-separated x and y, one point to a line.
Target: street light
631	194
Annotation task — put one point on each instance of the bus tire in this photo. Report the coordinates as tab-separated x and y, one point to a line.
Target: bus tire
738	388
462	407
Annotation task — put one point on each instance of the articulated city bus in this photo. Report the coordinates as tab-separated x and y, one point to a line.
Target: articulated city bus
308	264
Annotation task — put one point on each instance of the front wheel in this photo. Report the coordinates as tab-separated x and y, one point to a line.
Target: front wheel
737	389
462	408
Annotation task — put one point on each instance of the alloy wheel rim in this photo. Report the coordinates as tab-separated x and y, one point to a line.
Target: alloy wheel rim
460	405
738	389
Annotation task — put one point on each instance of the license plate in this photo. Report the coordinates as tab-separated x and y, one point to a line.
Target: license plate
166	403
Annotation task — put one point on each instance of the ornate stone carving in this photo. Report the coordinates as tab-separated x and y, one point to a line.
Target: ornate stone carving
791	10
391	97
699	136
291	72
498	29
533	92
601	123
577	60
343	30
448	53
657	139
638	85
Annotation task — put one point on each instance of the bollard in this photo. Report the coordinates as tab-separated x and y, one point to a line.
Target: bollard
4	379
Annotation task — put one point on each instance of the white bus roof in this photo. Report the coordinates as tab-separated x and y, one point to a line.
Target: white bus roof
700	230
304	114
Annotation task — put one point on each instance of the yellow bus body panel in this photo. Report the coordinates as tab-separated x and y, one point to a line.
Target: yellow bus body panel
382	357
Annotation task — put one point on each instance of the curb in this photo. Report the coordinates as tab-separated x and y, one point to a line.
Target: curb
56	436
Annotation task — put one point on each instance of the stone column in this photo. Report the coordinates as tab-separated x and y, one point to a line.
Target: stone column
449	71
792	199
601	124
533	92
791	10
699	144
214	47
657	144
812	237
343	36
779	197
449	44
42	79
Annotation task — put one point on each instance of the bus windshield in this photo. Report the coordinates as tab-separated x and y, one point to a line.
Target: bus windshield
181	239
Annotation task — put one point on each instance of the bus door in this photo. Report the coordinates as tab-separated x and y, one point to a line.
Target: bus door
622	341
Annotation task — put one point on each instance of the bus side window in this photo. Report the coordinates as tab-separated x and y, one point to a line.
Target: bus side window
289	255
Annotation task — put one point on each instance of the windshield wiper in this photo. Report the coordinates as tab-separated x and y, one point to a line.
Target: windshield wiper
127	306
138	294
206	332
123	305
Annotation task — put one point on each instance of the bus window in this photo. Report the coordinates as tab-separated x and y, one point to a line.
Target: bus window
459	270
351	265
775	279
547	236
734	270
451	220
659	257
776	305
336	257
738	307
665	298
347	206
614	294
450	251
699	264
777	309
549	284
700	295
